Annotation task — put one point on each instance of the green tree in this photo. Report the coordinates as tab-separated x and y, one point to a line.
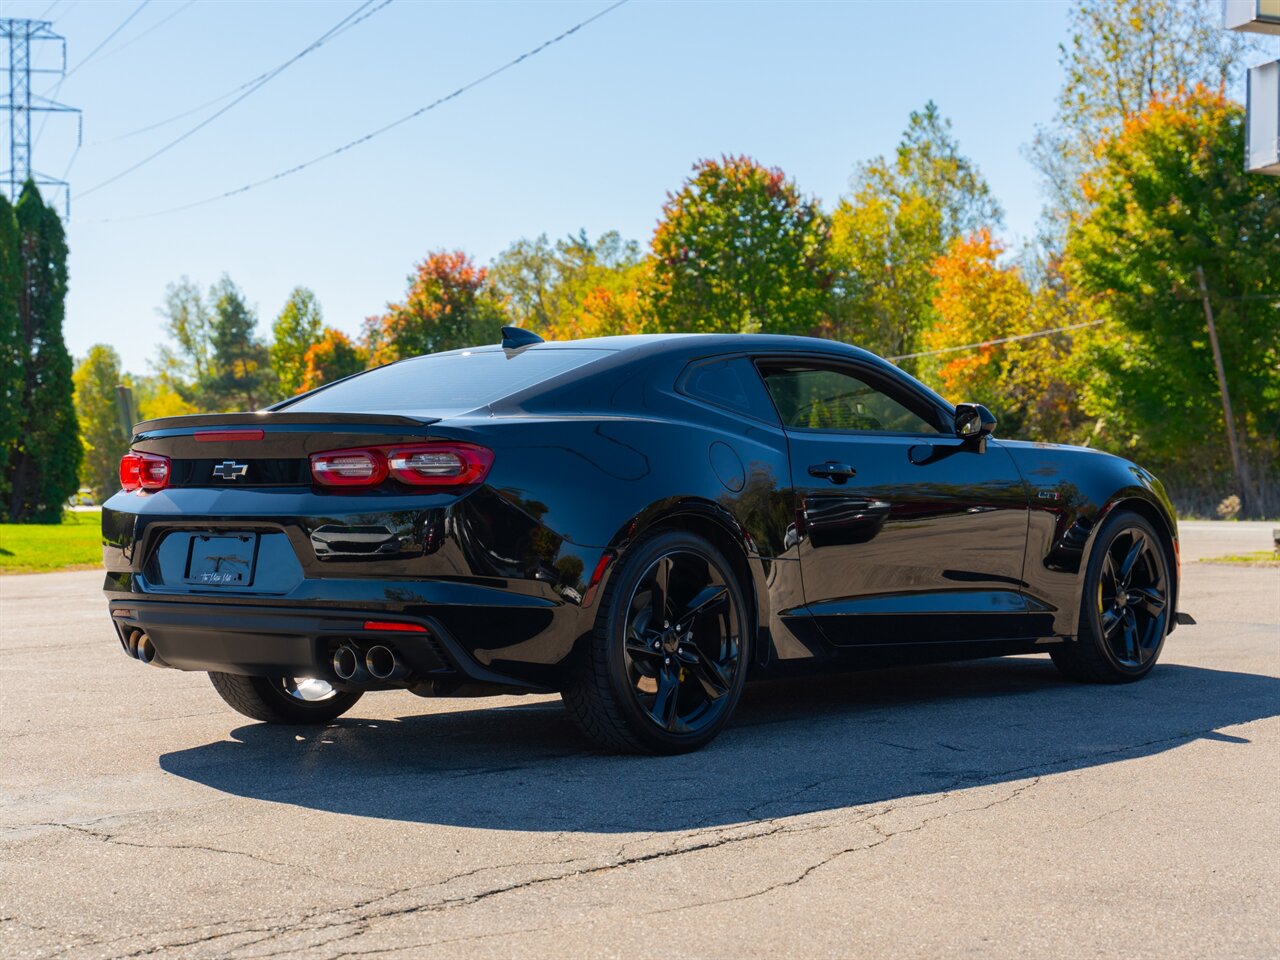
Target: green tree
44	462
295	331
447	306
903	214
101	429
552	289
1169	196
331	358
739	250
188	321
1118	58
12	345
241	377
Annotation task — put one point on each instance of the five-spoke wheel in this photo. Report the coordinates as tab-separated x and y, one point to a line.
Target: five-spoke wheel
668	656
1125	607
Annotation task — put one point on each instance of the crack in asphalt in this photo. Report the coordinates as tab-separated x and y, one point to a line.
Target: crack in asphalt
272	928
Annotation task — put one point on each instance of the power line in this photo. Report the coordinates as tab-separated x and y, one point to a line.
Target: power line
258	85
53	95
381	130
992	343
147	32
111	36
218	99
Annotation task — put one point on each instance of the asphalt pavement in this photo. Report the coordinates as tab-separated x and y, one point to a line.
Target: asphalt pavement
986	809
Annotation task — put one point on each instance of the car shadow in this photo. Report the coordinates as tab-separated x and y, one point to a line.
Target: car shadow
794	747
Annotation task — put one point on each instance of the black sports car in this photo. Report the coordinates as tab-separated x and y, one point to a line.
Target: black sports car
639	523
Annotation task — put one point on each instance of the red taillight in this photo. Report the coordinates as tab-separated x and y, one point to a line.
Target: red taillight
439	464
418	465
220	436
395	626
144	471
349	468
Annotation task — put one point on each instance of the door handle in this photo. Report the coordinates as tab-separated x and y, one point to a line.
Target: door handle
835	472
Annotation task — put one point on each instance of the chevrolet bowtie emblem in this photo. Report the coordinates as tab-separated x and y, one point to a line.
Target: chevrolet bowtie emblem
230	470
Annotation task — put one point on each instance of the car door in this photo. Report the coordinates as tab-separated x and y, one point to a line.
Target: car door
907	534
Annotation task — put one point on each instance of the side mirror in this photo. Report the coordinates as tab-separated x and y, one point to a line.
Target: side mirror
974	422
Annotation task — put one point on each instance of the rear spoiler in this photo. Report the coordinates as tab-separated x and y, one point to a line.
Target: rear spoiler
267	418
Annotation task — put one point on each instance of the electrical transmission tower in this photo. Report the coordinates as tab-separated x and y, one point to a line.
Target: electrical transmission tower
21	102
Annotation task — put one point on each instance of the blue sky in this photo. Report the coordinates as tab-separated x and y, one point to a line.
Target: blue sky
590	133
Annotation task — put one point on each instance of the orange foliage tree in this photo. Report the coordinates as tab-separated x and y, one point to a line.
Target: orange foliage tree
332	357
1027	383
447	306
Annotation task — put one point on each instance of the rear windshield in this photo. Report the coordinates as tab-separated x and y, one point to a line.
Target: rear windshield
445	383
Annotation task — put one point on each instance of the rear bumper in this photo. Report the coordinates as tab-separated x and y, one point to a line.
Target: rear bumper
267	641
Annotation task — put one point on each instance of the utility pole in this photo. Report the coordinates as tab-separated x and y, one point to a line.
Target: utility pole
21	102
1241	468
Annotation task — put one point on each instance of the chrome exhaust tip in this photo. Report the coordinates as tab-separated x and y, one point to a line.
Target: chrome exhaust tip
347	664
146	650
383	664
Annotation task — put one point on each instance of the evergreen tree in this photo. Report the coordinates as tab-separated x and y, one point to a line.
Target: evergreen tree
44	465
12	347
241	378
296	330
101	430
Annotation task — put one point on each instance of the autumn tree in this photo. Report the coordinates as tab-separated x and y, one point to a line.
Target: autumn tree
574	288
157	396
1170	196
332	357
44	458
903	213
1119	58
102	430
1027	383
295	331
738	249
448	305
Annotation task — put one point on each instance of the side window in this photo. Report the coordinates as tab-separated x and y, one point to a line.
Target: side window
822	398
733	383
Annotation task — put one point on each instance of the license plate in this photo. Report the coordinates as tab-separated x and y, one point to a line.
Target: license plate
222	560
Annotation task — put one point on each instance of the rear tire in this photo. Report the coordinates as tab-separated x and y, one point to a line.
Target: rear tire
667	660
1125	605
275	699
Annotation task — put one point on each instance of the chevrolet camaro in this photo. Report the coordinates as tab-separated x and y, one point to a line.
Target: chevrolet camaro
639	523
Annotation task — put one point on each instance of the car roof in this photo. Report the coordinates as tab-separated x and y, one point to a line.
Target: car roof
695	344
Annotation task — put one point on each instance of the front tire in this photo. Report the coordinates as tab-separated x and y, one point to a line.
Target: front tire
1124	607
667	659
282	699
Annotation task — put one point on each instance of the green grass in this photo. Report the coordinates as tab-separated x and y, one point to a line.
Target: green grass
1258	558
76	543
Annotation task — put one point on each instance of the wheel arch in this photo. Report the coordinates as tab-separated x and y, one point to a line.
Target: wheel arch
1158	517
715	524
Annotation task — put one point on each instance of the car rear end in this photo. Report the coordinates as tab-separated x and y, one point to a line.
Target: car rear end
367	549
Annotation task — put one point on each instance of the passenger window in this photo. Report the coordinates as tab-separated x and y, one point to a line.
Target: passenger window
818	398
732	383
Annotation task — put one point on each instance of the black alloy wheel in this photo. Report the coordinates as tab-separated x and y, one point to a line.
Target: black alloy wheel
669	655
1125	607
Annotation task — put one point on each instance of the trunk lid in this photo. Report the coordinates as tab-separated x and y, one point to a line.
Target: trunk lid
265	449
